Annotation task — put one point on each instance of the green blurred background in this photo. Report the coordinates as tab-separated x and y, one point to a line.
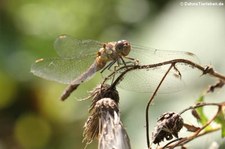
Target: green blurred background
31	114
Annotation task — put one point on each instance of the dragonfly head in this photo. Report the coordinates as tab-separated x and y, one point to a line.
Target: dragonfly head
123	47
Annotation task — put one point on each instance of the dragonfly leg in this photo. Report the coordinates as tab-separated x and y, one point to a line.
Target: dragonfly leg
119	61
108	66
133	60
114	70
124	63
118	65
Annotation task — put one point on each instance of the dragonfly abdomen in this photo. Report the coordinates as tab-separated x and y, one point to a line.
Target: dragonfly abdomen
82	78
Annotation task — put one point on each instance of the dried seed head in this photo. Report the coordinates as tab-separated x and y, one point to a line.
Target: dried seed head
104	122
111	131
98	112
103	91
168	125
100	102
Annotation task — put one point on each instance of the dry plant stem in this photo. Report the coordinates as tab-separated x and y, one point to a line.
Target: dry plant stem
201	104
171	142
197	133
127	68
150	101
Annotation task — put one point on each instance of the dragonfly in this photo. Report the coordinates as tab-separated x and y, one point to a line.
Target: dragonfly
79	60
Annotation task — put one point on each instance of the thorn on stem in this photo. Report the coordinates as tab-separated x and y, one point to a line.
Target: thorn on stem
207	69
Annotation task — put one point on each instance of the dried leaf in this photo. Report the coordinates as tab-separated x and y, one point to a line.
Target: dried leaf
191	128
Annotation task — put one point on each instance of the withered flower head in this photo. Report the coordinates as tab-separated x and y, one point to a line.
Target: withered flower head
103	91
168	125
104	122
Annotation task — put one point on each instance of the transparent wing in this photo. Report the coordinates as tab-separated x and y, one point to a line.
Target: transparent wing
147	55
76	56
147	80
61	70
68	47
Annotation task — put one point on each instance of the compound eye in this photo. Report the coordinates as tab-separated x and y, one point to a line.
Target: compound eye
123	47
119	46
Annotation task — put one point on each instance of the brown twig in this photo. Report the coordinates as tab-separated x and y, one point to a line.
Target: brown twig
128	68
150	101
201	104
219	84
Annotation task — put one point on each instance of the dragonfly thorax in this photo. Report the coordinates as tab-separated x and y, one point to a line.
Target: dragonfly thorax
112	51
108	53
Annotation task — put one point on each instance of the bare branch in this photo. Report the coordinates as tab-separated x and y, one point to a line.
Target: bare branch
149	103
128	68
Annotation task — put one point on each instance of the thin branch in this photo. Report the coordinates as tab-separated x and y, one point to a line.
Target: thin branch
201	104
171	142
150	101
128	68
